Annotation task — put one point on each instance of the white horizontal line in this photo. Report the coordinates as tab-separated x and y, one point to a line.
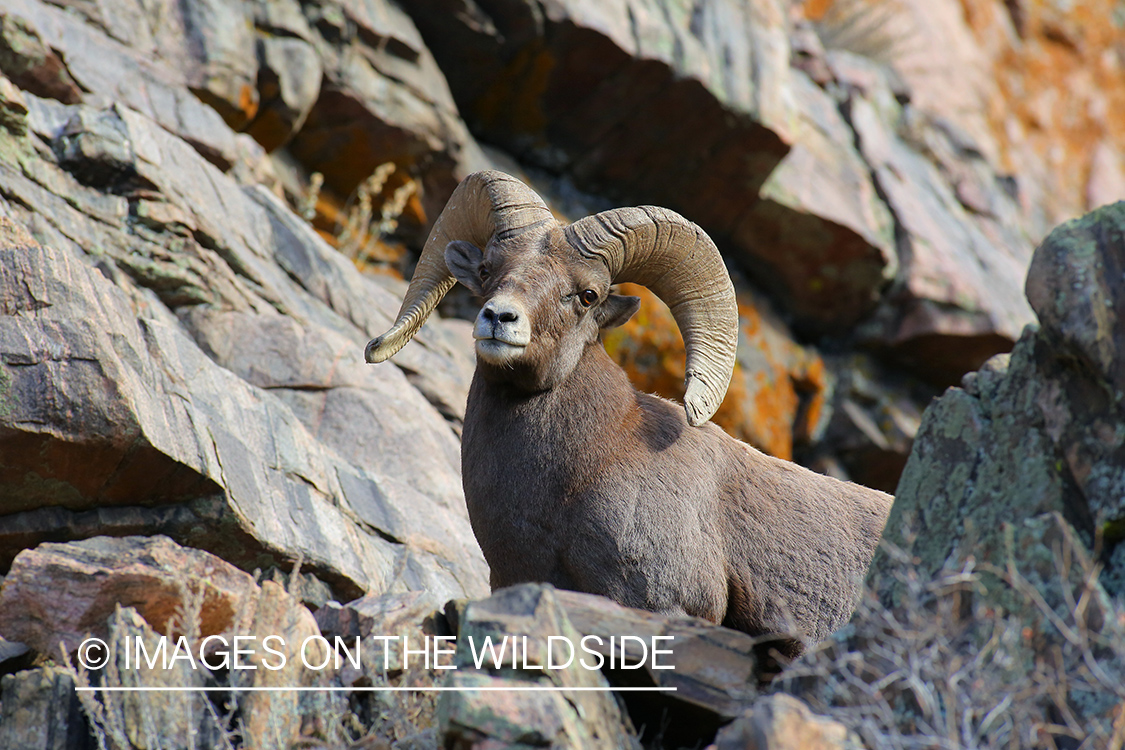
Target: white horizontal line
368	689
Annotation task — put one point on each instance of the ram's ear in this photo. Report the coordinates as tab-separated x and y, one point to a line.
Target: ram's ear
463	260
616	310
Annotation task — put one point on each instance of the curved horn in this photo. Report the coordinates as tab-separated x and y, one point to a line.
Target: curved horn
676	259
484	204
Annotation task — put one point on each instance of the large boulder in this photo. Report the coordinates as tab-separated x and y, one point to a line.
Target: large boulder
1036	432
154	576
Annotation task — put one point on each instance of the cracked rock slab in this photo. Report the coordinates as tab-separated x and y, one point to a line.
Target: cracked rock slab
101	408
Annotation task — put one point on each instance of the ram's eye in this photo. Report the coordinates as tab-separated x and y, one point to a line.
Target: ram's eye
588	297
483	273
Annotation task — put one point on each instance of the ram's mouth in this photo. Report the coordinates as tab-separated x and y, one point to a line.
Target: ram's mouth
498	350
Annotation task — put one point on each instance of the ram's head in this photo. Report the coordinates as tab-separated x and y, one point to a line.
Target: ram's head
546	287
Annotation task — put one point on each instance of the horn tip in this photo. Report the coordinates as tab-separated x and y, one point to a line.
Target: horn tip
699	401
372	353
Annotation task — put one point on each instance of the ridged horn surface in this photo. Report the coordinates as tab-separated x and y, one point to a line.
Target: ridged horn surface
676	259
484	204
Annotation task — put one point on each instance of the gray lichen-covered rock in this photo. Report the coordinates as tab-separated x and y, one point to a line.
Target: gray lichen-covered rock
1040	431
1076	285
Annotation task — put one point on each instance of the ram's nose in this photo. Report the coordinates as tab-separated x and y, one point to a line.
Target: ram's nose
500	312
504	320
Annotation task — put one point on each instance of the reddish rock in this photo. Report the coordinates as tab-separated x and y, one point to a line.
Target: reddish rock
66	592
782	722
778	394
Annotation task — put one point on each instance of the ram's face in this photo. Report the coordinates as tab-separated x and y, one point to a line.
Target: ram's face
543	304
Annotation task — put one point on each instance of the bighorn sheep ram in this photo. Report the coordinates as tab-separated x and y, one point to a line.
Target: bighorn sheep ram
573	477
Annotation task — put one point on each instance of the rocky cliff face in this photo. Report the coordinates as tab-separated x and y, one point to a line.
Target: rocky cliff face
189	189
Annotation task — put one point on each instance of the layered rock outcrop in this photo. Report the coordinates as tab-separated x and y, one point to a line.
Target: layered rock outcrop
140	292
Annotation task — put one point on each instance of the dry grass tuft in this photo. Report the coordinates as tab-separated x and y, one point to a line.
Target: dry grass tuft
358	234
949	669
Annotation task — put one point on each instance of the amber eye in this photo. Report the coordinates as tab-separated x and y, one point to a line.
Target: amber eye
483	273
588	297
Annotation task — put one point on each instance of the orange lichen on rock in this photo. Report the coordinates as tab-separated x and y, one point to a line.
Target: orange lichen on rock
779	386
814	10
1038	84
649	347
777	394
1061	77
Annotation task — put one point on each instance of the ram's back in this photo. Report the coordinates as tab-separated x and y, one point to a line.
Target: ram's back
801	541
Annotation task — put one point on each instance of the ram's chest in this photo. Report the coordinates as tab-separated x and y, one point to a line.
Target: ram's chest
524	505
514	496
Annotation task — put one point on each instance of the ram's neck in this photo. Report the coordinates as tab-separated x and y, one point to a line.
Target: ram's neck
595	400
